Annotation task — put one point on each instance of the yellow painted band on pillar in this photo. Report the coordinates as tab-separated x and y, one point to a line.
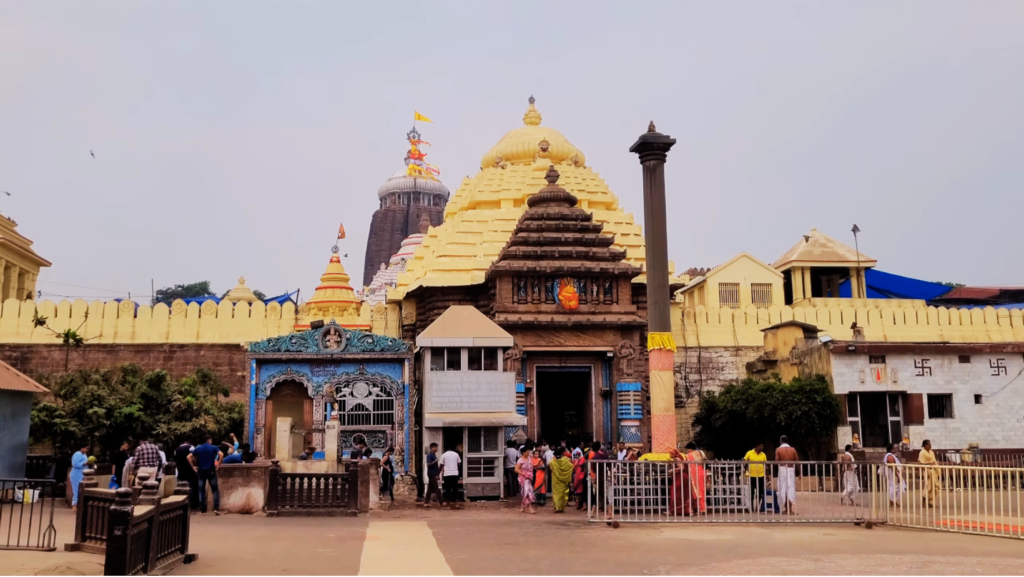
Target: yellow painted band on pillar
662	392
661	341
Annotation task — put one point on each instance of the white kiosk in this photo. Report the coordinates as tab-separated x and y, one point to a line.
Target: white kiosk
468	396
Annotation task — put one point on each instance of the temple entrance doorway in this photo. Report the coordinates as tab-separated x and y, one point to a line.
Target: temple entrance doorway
565	404
289	399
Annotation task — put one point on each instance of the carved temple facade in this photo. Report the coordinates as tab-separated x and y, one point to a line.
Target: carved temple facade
355	380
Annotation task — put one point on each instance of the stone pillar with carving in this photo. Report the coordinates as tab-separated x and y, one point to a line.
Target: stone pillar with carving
15	275
652	148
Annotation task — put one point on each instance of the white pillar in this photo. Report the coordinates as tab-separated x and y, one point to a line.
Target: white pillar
331	441
283	439
796	279
808	291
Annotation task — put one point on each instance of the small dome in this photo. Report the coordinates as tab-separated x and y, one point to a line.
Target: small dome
241	293
533	141
402	182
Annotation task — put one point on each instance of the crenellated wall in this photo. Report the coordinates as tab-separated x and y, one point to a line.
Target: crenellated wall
126	322
914	322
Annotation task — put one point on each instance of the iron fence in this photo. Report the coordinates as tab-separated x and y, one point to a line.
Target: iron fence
734	492
26	515
961	499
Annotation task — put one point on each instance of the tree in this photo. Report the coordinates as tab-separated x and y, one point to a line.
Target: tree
102	408
733	420
167	295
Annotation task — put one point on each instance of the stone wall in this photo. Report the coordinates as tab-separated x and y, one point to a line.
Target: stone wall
228	361
705	369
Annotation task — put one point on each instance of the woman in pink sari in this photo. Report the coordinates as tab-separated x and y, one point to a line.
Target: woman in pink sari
524	468
698	482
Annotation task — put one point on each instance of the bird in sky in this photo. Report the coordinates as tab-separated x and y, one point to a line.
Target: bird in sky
346	255
7	193
92	154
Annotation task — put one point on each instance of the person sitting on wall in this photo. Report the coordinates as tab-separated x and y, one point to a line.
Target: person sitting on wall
357	452
237	457
307	455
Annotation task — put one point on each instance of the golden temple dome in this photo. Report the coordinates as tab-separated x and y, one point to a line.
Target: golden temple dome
241	293
482	214
532	141
333	299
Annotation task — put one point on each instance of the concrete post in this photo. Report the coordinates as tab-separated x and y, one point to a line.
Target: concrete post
652	148
283	439
808	289
331	441
796	279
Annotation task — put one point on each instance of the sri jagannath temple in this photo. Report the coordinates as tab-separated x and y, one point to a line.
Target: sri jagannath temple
524	305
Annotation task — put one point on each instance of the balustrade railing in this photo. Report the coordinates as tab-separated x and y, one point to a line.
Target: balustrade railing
312	493
150	537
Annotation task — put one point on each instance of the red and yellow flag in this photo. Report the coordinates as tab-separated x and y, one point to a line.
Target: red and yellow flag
341	231
420	117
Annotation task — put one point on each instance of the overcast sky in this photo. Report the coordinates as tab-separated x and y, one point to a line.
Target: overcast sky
231	138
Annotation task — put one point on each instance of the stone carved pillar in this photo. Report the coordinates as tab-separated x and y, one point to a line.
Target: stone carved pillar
13	276
808	289
652	148
796	279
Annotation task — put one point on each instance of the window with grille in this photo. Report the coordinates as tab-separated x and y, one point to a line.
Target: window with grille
483	440
761	294
965	358
876	359
377	410
729	295
940	406
482	467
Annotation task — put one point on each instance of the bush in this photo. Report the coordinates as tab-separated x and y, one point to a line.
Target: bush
102	408
733	420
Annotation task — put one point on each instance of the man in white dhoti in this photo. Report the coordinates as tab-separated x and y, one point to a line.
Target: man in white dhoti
894	475
785	490
851	482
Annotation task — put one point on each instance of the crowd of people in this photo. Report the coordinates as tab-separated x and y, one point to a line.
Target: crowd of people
197	465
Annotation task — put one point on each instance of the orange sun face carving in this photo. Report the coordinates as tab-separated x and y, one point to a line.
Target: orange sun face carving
567	294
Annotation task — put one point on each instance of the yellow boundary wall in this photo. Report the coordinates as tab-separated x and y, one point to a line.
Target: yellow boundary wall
711	327
126	322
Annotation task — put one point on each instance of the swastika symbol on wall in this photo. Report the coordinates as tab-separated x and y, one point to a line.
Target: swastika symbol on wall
923	370
998	366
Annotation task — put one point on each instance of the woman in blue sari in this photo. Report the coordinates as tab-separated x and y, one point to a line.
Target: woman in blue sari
78	464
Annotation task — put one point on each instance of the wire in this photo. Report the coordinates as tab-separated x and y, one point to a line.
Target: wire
1006	385
88	287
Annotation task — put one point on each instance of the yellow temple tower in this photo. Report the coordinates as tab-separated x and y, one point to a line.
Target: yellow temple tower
333	299
483	212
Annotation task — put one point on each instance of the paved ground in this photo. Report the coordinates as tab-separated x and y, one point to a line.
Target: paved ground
486	539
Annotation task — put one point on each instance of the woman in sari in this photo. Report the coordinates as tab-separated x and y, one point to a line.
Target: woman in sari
681	500
579	480
78	466
524	469
894	475
561	479
540	486
697	479
387	475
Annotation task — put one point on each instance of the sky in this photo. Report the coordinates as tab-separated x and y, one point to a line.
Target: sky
231	138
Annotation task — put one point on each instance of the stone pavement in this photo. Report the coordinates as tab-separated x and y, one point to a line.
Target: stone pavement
490	539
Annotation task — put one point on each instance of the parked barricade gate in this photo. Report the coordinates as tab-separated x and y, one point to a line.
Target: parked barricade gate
959	499
735	492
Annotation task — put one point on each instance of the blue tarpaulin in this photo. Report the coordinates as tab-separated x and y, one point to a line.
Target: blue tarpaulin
884	285
280	299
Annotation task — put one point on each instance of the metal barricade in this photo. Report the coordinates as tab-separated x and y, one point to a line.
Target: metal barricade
26	515
735	492
960	499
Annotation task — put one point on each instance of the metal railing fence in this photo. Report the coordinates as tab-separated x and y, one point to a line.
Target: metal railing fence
26	515
961	499
735	492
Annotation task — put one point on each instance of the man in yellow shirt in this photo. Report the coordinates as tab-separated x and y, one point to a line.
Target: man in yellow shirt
931	484
756	473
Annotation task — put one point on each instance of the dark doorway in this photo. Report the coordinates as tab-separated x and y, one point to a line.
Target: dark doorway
879	417
451	438
563	399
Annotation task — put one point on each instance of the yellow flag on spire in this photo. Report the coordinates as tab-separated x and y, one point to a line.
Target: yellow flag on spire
421	117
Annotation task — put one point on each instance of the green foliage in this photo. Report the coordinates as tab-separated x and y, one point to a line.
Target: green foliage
167	295
103	407
733	420
950	284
